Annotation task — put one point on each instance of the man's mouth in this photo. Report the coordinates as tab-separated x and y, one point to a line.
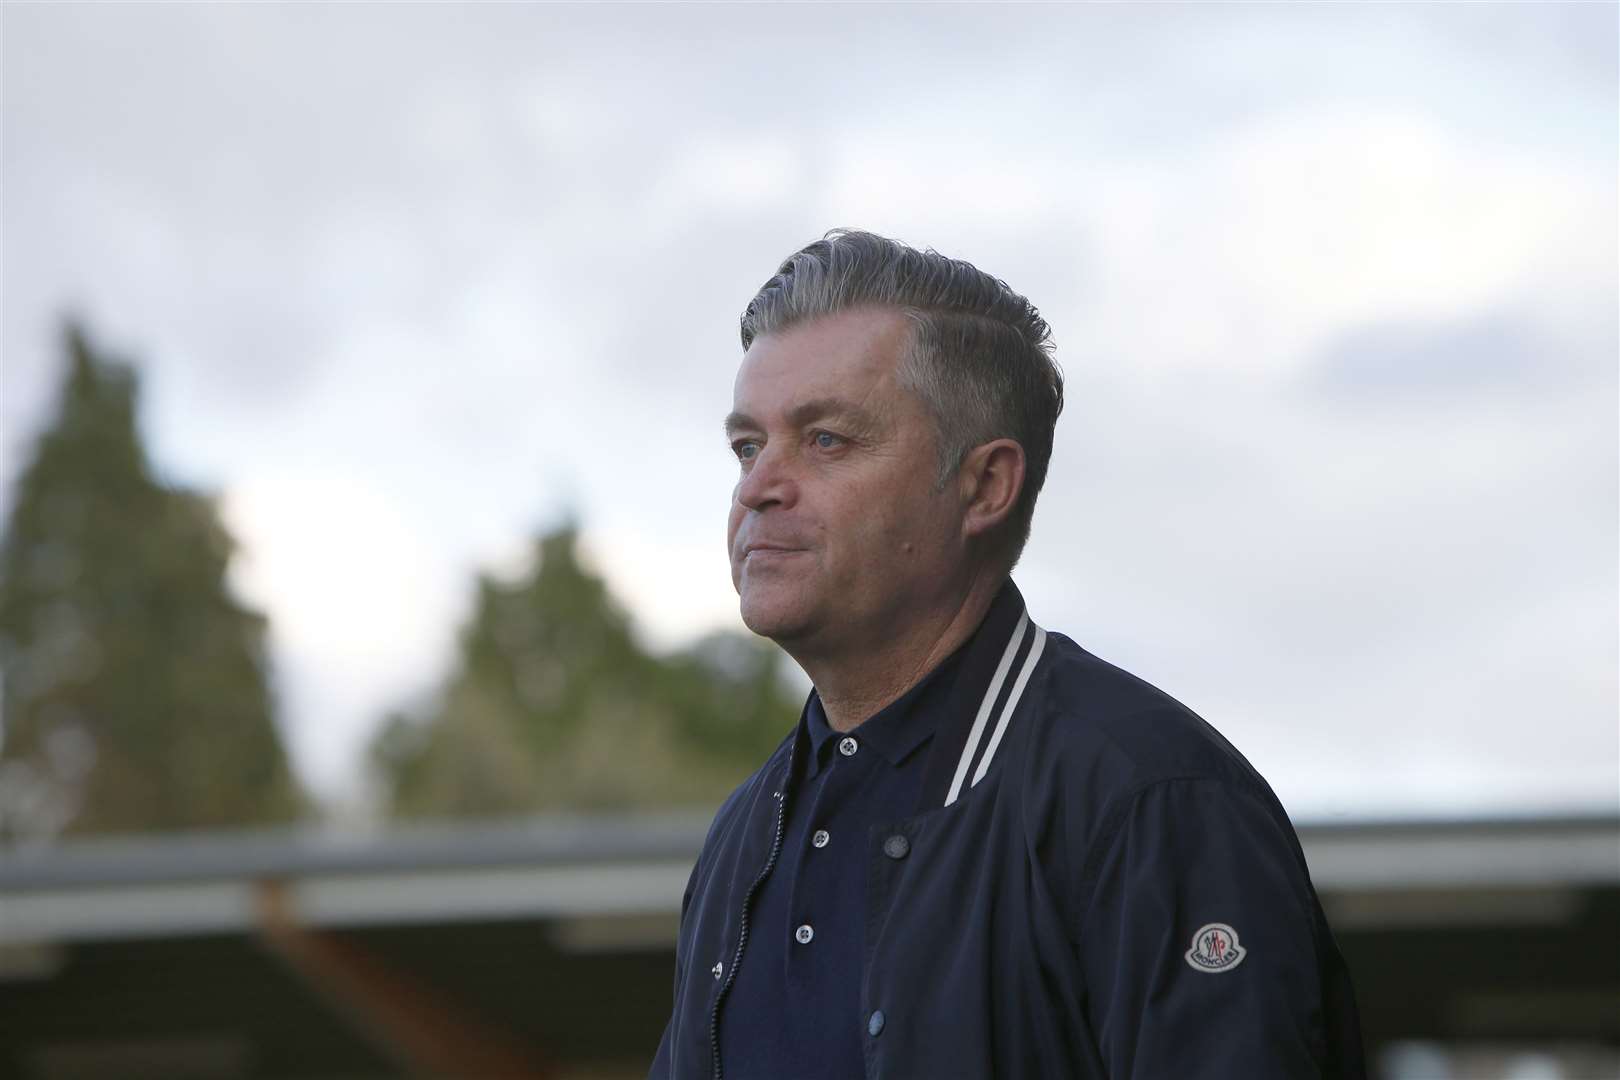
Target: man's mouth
769	551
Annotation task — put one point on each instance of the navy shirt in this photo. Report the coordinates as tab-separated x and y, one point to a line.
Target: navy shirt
795	1009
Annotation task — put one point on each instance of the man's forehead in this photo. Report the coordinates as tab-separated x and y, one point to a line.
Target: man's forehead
848	362
842	343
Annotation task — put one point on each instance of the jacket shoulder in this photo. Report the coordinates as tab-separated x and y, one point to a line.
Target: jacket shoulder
1099	735
1129	730
1102	739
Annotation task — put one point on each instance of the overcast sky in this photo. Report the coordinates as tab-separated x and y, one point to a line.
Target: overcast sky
1334	287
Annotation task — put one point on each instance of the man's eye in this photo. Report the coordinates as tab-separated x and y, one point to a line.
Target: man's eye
827	440
745	450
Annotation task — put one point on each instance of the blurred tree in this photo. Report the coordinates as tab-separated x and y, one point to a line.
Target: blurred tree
553	704
135	694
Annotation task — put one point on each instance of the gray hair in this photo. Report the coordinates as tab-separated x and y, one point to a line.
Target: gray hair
980	355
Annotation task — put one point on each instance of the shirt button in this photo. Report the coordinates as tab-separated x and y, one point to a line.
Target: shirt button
897	847
847	746
803	934
821	838
874	1026
719	969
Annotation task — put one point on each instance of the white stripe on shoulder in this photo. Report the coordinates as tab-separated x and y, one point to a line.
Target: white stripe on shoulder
984	709
1012	703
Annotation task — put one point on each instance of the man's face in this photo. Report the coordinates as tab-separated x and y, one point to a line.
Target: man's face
836	532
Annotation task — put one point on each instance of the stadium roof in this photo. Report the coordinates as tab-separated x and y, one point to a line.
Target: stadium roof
631	867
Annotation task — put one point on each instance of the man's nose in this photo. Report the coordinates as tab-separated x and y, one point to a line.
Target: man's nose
769	481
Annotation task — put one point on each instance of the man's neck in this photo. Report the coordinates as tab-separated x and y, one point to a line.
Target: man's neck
853	685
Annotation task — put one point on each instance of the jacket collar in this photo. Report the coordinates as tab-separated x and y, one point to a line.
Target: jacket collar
995	668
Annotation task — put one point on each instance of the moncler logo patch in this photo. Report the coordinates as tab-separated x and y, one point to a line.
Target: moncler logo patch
1215	948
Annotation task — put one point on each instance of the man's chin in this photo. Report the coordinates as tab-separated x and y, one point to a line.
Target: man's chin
775	620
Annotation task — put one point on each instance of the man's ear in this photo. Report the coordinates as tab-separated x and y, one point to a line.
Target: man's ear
991	476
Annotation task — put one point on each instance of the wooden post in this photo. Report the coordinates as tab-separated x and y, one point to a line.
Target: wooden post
427	1033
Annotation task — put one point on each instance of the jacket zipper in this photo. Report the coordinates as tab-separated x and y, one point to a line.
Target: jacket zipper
748	900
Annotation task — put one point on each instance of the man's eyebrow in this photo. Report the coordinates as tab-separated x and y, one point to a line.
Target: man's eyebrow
808	412
737	421
831	409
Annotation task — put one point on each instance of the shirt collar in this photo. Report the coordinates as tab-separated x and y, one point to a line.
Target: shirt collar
900	727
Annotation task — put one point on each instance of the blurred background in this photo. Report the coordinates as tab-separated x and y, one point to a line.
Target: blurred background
371	664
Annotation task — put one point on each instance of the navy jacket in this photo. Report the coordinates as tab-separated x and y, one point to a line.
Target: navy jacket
1095	884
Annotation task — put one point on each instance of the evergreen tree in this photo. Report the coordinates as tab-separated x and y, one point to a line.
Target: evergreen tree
554	704
135	691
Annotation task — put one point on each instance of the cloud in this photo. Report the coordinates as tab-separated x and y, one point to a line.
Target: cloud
1304	226
1333	286
1431	361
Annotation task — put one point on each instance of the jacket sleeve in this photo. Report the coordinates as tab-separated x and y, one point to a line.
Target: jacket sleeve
1198	943
663	1066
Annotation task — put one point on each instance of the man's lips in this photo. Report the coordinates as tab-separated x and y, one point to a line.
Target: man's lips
770	550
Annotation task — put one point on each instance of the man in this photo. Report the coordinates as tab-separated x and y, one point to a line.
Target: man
983	852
